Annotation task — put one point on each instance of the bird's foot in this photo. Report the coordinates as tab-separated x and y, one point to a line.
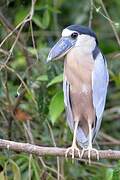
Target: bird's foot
89	150
72	151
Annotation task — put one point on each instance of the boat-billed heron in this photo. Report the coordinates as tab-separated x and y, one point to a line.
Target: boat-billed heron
85	85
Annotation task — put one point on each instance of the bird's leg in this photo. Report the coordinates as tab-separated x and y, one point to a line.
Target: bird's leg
74	147
90	148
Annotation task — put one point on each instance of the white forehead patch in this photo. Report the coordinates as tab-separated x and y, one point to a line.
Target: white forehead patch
67	32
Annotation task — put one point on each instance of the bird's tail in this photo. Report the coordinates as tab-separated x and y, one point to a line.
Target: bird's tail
82	139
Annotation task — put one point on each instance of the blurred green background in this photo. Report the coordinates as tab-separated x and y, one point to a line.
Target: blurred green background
31	97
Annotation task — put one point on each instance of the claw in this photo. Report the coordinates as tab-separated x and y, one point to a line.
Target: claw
72	150
89	149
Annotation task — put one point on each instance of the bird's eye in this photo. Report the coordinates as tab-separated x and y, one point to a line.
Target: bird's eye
74	35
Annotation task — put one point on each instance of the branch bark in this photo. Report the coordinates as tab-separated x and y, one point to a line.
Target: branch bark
52	151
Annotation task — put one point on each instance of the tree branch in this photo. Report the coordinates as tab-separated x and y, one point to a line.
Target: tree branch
52	151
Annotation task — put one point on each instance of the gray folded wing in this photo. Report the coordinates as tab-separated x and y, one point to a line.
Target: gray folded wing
100	79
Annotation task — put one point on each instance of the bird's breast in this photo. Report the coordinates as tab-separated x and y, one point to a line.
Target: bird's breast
78	69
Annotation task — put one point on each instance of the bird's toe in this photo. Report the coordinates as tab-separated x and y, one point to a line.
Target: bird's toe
72	151
89	150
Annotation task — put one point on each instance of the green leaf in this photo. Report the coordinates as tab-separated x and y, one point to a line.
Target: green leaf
37	21
16	170
56	106
2	176
48	7
55	80
36	169
19	63
115	78
42	78
116	172
42	22
32	50
54	9
46	19
20	15
109	174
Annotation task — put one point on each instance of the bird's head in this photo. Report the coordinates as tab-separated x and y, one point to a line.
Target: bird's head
73	36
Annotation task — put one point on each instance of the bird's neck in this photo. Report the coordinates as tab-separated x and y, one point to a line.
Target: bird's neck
79	55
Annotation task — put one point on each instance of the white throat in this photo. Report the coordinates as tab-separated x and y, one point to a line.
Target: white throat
86	43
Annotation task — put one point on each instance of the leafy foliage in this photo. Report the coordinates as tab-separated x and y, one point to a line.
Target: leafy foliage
56	106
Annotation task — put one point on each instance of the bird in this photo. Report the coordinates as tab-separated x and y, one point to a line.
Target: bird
85	85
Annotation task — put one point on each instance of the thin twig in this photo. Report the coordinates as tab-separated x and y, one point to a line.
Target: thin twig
20	25
23	22
91	13
33	40
11	49
3	51
54	143
18	99
10	119
10	34
95	163
9	27
106	143
106	16
112	24
30	162
109	138
19	77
